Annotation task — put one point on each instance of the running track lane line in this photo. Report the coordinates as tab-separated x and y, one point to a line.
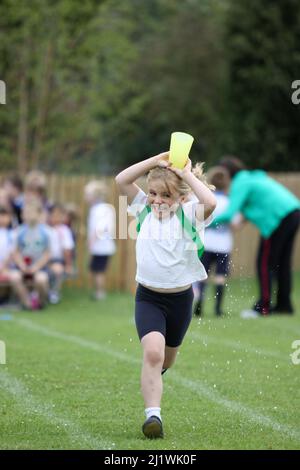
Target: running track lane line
246	348
33	406
194	386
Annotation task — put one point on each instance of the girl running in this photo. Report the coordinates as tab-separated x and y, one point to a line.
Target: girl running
170	225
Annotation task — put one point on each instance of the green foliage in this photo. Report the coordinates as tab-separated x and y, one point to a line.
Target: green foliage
45	52
173	83
263	44
95	86
99	85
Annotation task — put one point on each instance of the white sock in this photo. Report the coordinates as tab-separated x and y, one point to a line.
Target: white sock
153	411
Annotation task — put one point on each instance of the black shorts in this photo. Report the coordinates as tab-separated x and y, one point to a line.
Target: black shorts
220	259
170	314
57	261
98	263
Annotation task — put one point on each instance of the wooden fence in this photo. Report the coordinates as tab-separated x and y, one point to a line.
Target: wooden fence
121	272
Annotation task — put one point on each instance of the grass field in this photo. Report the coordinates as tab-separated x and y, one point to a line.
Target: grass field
71	380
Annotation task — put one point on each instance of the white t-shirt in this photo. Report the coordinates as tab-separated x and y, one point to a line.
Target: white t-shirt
60	240
101	230
219	240
7	243
166	256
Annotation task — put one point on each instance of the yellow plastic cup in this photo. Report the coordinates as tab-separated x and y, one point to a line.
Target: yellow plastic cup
180	147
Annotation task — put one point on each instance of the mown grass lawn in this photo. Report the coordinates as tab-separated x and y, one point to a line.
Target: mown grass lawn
71	380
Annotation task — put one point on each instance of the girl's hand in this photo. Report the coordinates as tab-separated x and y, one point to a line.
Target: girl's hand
162	159
182	173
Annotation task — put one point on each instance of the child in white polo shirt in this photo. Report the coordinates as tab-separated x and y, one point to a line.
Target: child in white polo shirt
100	234
168	249
218	244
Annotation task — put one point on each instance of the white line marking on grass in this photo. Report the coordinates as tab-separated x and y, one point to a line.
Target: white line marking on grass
76	340
246	348
195	386
34	406
237	407
287	328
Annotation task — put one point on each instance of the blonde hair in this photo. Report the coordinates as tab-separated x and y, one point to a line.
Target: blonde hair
36	181
96	189
174	183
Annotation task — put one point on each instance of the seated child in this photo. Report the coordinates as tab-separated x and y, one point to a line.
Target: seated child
31	257
62	246
6	248
71	220
35	187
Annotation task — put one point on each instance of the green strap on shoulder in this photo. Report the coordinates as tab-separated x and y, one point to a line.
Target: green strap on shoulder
185	222
141	217
191	230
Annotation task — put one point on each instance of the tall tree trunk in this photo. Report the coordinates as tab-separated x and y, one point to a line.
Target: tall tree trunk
42	106
22	151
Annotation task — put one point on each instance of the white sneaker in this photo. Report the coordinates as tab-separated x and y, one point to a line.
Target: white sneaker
99	295
54	297
249	314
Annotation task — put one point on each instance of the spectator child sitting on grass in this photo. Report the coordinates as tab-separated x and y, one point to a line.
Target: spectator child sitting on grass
31	257
6	249
62	245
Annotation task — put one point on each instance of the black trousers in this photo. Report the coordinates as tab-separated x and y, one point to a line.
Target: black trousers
274	260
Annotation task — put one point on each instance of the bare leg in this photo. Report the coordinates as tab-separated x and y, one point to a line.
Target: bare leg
153	345
170	356
57	269
17	283
41	283
99	283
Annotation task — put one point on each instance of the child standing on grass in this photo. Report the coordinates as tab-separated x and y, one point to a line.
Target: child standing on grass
101	228
218	243
275	211
167	265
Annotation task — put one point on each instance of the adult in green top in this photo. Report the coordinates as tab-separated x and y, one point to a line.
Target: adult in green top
275	211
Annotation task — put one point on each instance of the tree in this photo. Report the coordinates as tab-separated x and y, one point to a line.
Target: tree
44	54
166	66
263	44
